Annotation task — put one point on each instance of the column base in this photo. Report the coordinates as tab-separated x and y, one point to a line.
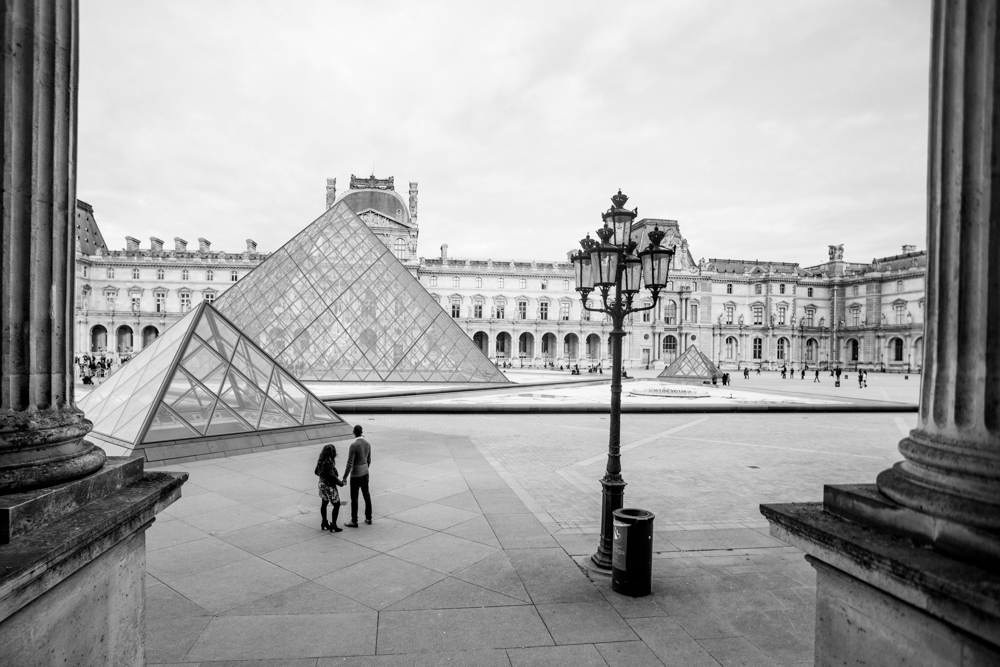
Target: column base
72	577
883	598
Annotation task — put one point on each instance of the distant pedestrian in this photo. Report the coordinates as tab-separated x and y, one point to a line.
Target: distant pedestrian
816	379
861	379
326	469
746	373
359	457
803	374
758	370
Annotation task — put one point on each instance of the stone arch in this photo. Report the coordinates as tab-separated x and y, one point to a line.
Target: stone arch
571	347
98	338
593	348
482	341
124	339
149	334
549	351
526	345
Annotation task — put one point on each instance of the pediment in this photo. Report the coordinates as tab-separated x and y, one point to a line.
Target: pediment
378	220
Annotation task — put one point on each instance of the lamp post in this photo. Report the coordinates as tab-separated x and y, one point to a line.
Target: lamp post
614	268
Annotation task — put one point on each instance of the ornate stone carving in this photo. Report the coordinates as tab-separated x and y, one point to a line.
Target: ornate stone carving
371	183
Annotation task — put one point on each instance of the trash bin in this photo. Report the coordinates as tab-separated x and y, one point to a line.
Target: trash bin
632	552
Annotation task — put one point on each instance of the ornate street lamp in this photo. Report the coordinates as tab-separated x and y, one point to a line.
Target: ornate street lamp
614	268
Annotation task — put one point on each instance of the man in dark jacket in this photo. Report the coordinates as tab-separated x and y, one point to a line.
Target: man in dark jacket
359	457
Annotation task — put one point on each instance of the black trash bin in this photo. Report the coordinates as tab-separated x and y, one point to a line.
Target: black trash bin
632	552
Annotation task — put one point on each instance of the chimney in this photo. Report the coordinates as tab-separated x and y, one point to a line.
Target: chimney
444	251
131	243
909	248
204	245
155	244
180	245
413	202
331	192
252	245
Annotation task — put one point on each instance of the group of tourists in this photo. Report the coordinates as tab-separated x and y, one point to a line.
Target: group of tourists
359	457
96	367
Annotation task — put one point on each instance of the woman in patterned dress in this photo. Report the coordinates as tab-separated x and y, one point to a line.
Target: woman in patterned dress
328	483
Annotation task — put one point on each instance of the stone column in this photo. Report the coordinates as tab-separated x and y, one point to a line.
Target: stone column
41	431
952	459
908	569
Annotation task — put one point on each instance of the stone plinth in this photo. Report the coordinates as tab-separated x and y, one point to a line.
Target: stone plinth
884	599
71	577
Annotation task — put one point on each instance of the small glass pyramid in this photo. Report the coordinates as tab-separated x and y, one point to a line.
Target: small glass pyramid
335	304
202	377
691	365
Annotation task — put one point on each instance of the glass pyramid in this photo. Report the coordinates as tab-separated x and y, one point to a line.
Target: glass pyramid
202	377
335	304
691	365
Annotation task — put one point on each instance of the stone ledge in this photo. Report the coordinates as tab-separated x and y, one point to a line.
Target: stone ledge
21	513
36	562
957	593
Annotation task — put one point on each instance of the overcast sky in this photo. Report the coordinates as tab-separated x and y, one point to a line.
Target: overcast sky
768	128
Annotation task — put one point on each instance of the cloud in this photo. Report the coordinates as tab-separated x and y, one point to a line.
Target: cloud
768	129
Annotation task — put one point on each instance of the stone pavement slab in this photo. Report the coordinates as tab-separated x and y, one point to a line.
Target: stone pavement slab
478	521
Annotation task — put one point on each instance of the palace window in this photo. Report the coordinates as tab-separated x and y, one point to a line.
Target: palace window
645	313
109	297
565	285
234	275
781	315
756	288
782	345
671	316
854	290
477	310
399	248
479	281
809	291
545	283
522	283
185	301
501	306
564	311
694	312
730	347
855	317
110	272
456	281
897	349
900	311
809	317
500	283
543	310
456	309
899	285
210	275
670	346
161	301
758	314
160	274
136	303
729	288
811	349
730	312
585	314
135	274
185	274
781	288
758	348
522	310
86	272
434	281
209	297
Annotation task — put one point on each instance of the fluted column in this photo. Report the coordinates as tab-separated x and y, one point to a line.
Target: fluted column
952	459
41	431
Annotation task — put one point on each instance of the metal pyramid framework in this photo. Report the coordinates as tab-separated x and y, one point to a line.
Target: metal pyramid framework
691	365
334	304
201	378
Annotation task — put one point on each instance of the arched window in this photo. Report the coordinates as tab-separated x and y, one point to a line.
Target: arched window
110	272
811	349
565	285
135	274
694	312
399	248
234	275
159	274
479	281
758	348
854	290
730	348
209	275
897	349
809	291
185	274
670	346
899	285
456	281
781	288
782	348
671	316
757	288
854	350
729	288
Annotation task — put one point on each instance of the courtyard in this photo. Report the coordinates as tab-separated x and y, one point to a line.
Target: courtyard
481	525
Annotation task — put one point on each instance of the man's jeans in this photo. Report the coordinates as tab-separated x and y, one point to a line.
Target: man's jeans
362	484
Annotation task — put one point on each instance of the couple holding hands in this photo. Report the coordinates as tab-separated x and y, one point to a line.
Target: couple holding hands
359	457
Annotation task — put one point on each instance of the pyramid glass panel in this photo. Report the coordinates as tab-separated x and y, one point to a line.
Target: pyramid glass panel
202	377
691	365
335	304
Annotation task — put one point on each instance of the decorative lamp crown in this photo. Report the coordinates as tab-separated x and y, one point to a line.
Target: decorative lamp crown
605	233
655	236
588	243
619	199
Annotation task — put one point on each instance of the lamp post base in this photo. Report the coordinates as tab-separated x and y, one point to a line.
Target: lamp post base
613	498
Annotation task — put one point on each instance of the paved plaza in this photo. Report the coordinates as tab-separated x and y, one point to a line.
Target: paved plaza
480	522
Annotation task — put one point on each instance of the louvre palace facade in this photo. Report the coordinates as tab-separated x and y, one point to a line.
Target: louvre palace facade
526	313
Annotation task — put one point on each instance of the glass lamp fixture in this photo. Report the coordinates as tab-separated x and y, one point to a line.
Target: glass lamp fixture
656	261
604	260
632	275
619	220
